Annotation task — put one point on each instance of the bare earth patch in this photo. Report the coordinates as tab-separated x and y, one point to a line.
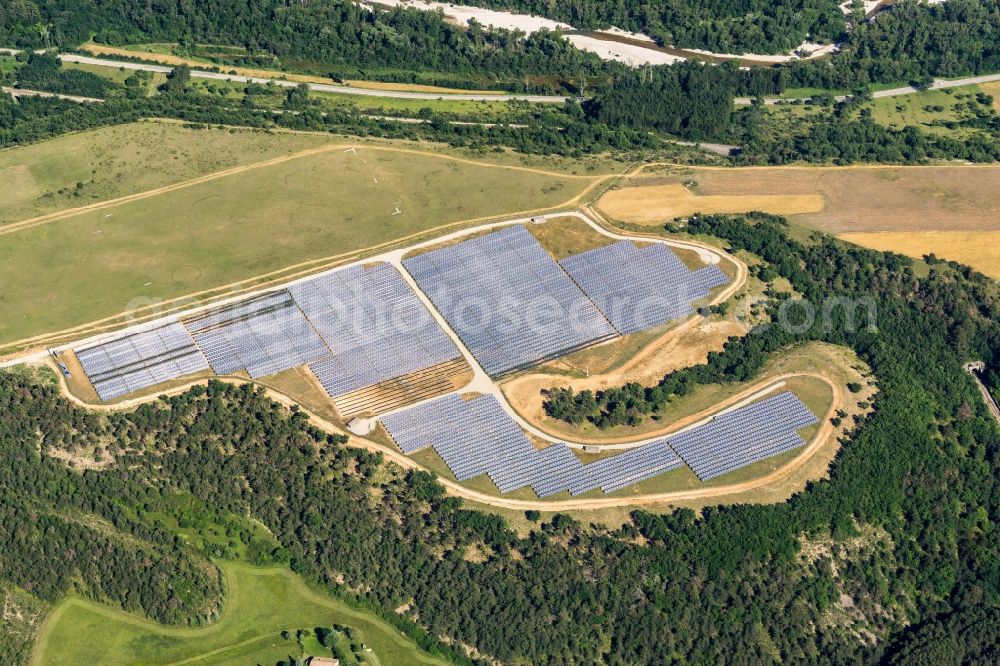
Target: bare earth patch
678	348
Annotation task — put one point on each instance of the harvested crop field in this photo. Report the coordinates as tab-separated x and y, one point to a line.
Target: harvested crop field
931	198
979	249
655	203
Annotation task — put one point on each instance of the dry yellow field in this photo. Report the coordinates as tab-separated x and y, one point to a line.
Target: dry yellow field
992	88
952	211
979	249
654	204
921	198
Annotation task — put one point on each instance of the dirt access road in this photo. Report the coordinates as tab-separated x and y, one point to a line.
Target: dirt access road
241	288
825	431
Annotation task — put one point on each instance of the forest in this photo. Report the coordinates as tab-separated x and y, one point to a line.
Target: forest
627	109
725	26
329	37
913	41
639	114
43	71
899	543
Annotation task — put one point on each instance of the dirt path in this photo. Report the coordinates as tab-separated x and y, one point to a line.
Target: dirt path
674	349
215	175
825	431
287	273
607	443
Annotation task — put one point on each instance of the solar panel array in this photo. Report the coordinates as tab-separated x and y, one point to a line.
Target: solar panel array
140	360
263	335
477	437
375	326
508	300
744	436
638	288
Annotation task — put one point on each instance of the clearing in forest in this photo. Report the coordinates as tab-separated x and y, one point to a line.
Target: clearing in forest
979	249
260	604
951	211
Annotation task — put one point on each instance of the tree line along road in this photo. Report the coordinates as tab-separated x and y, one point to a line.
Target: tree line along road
319	87
468	97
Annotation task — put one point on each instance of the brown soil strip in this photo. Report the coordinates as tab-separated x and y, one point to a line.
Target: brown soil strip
825	431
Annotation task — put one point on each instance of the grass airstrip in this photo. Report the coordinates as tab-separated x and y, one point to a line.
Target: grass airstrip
313	199
259	605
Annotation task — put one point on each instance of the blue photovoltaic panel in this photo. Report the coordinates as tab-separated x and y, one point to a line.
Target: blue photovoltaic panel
375	326
637	288
477	437
508	300
631	467
140	360
263	335
744	436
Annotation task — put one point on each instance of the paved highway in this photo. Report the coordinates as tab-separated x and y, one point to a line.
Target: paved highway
939	84
473	97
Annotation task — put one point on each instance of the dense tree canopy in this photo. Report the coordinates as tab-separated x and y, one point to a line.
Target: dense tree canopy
726	26
913	40
336	36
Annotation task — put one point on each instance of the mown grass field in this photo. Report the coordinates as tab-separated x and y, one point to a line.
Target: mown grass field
261	603
102	262
925	108
655	204
121	160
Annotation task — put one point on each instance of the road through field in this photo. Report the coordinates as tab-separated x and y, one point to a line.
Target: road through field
319	87
239	288
483	384
70	212
825	431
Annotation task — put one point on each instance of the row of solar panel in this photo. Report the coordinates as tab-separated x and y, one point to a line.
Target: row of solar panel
504	295
139	360
477	437
372	321
638	288
374	325
744	436
264	336
508	300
